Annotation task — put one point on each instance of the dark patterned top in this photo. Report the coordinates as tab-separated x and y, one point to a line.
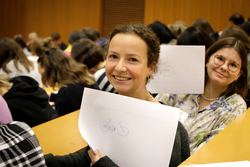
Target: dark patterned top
19	146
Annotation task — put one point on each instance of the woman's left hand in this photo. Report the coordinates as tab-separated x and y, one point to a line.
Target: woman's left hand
94	156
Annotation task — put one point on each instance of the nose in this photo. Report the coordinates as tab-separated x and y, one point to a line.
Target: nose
121	66
224	67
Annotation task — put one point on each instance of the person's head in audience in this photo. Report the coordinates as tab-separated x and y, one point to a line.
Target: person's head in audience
91	33
203	25
44	42
228	56
195	36
58	68
21	42
162	31
237	32
10	50
85	51
56	39
178	28
133	54
236	19
74	36
31	37
246	27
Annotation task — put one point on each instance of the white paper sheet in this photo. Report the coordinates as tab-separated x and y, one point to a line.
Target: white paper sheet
225	164
130	131
181	70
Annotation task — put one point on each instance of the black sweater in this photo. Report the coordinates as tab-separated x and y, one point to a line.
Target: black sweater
28	102
69	98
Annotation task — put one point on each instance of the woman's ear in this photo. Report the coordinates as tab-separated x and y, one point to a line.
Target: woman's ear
151	68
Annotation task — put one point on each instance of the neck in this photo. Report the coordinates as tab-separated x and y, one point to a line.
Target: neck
212	91
145	95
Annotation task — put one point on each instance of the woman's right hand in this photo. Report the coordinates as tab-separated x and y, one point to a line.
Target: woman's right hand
94	156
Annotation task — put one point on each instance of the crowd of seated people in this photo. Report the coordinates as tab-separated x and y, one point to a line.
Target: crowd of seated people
89	61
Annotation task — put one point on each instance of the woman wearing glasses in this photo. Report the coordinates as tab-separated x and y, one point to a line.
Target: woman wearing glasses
221	102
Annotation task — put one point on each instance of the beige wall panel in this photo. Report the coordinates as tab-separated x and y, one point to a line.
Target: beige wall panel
48	16
216	12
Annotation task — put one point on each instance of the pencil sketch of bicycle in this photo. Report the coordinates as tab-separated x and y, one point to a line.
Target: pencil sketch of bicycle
114	126
165	70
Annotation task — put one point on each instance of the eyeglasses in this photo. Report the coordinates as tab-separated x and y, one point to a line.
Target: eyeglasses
219	60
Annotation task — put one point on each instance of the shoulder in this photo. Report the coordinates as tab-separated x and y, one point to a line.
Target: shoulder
236	100
99	73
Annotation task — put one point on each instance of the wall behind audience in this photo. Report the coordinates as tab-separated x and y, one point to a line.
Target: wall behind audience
216	12
48	16
64	16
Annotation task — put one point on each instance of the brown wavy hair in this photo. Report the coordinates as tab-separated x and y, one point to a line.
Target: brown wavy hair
10	50
241	85
61	69
147	35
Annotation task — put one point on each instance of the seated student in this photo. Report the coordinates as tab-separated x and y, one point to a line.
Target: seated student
163	33
203	25
5	115
222	101
194	36
87	52
177	28
56	38
73	37
237	32
19	146
13	61
26	100
246	27
133	54
236	19
60	70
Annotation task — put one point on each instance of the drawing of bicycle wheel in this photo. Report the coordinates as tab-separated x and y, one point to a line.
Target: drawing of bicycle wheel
122	131
105	126
168	71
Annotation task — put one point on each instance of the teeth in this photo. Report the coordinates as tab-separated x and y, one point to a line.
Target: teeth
120	78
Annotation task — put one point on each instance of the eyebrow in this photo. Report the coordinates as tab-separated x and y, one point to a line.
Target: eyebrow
131	54
230	60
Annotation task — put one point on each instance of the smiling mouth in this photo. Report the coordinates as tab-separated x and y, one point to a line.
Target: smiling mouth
221	74
121	78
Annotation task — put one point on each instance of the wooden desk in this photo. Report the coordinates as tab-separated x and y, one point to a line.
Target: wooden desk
61	135
231	144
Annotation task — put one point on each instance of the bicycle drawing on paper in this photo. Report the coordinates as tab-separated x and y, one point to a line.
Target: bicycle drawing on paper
114	126
165	70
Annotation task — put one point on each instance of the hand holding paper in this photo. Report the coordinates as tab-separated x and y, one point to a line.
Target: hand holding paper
130	131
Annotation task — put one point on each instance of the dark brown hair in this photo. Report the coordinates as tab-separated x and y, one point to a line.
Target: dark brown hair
237	32
87	52
62	69
240	86
147	35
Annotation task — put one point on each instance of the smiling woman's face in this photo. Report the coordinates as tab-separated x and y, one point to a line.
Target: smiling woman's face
126	64
221	74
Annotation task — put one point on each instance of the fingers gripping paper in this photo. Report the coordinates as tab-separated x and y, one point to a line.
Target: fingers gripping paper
129	131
